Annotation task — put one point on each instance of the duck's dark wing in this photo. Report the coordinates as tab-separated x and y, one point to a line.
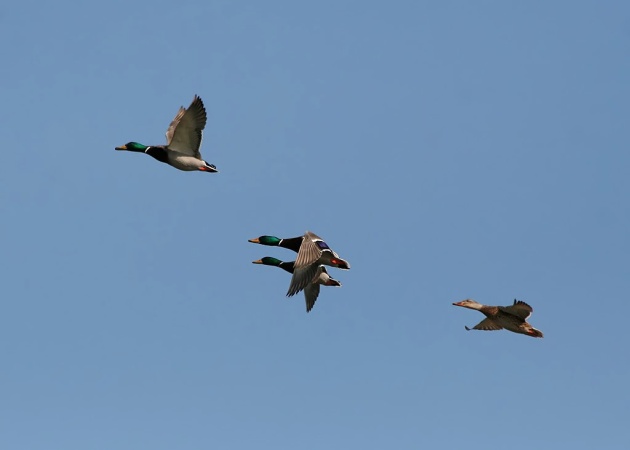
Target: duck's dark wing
302	278
519	309
311	292
487	325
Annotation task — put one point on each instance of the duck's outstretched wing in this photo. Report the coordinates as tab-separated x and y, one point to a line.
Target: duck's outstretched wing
173	125
302	278
311	292
519	309
306	267
310	250
486	325
187	131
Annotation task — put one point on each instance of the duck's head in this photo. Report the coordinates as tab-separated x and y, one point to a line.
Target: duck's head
268	261
266	240
469	303
132	147
274	262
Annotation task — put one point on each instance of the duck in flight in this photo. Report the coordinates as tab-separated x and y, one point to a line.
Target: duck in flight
183	139
312	252
311	291
512	318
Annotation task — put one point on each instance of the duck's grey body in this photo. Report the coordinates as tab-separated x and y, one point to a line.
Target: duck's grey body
188	163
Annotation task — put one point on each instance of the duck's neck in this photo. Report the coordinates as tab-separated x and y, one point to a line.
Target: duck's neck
477	306
291	243
275	262
288	266
157	152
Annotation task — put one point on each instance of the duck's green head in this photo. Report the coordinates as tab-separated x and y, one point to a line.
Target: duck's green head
266	240
268	261
133	147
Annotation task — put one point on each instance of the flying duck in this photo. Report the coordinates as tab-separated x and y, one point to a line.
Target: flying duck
312	252
311	291
183	139
512	318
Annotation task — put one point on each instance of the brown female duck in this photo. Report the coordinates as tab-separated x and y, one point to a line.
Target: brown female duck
512	318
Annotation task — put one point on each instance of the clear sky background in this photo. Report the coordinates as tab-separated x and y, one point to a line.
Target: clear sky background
446	149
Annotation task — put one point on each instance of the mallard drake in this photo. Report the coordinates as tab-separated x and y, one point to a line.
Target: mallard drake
512	318
312	252
311	291
183	139
290	243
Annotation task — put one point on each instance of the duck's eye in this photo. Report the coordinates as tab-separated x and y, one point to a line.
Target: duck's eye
334	261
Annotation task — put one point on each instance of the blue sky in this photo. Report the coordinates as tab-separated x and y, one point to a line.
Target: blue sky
446	149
